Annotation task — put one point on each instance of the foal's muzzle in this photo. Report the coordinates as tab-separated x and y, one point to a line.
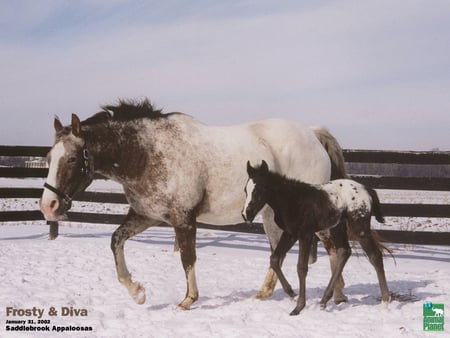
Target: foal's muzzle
247	216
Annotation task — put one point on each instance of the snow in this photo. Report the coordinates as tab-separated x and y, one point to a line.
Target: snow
77	270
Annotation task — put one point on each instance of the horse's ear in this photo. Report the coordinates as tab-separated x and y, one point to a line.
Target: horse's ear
57	124
264	167
250	169
76	125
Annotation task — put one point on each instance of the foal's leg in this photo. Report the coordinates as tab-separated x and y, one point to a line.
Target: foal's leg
285	244
186	237
338	236
375	256
133	225
302	271
273	232
338	294
325	237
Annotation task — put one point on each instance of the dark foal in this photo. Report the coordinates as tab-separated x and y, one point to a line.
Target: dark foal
331	210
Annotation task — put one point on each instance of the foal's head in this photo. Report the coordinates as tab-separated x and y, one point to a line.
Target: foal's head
69	171
256	191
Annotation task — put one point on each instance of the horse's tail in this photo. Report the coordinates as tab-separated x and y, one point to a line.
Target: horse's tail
376	211
334	151
380	246
376	207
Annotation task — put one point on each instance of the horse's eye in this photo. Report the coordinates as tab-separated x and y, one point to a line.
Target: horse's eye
72	160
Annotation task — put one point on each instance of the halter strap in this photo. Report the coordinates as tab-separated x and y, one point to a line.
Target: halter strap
67	198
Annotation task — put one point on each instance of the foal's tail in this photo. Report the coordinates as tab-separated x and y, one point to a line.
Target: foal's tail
334	151
376	211
380	246
376	207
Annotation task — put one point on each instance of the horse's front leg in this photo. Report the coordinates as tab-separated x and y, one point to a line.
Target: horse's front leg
133	225
302	271
285	244
273	232
186	237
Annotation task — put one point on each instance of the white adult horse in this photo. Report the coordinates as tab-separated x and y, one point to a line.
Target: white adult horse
177	170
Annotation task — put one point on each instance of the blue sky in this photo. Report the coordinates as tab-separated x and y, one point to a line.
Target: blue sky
376	73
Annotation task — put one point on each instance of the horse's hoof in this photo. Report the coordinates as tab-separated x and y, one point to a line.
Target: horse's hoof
290	292
323	306
297	309
312	260
263	294
139	294
294	312
183	307
386	299
340	300
187	302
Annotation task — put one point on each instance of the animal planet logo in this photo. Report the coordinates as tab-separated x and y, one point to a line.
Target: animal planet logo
433	317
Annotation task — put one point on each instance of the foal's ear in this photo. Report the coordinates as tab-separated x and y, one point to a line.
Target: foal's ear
264	169
250	169
76	125
57	124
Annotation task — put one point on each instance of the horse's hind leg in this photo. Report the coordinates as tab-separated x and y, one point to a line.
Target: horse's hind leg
133	225
285	244
273	232
338	236
373	251
338	294
186	238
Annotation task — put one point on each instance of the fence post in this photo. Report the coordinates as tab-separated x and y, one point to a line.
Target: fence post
54	229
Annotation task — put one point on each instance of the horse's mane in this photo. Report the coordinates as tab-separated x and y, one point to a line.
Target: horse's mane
126	110
275	179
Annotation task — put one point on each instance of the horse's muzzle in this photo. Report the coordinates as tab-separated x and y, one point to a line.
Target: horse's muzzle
247	219
53	210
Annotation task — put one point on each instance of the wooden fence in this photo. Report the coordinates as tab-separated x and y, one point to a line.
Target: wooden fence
353	158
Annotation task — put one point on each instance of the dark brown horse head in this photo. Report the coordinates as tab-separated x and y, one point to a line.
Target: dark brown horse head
254	190
69	170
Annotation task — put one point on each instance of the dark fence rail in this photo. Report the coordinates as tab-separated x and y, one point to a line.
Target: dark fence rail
389	209
401	157
351	156
34	151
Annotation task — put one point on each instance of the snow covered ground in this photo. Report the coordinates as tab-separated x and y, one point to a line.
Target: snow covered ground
77	271
75	274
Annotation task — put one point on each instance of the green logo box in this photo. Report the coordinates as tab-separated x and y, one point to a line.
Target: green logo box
433	317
